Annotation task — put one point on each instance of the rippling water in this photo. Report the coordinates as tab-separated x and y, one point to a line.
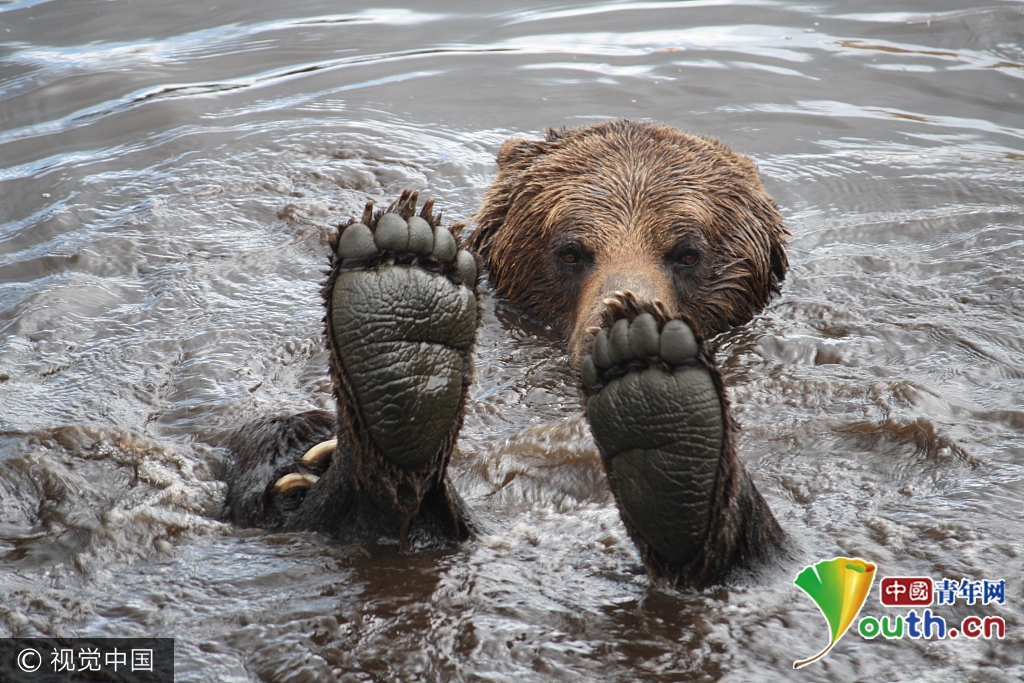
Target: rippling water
169	173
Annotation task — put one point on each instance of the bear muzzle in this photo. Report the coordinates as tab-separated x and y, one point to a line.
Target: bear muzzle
647	284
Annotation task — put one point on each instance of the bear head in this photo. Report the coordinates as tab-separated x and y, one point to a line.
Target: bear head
630	206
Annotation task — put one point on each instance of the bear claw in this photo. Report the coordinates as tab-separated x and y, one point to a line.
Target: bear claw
320	452
291	483
635	343
401	321
401	318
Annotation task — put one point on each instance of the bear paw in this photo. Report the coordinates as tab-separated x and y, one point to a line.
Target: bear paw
400	324
401	319
658	417
659	414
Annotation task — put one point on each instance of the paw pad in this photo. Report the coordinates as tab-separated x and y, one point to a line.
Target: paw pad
658	419
399	236
401	319
637	343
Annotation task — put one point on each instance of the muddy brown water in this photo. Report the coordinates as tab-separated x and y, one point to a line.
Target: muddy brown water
169	173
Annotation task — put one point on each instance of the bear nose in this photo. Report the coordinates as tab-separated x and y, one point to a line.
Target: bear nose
646	284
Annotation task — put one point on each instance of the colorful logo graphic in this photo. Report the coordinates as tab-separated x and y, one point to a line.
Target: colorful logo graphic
899	591
839	587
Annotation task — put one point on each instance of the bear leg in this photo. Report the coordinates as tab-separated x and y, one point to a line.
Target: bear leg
401	319
658	411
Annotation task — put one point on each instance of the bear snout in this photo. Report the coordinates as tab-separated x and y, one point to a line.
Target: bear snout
647	283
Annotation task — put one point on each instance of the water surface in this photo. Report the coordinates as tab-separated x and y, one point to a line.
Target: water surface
169	173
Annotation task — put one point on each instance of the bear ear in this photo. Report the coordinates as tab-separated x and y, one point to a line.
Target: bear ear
554	134
515	156
518	153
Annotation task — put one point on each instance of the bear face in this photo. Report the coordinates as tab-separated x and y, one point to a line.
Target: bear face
630	205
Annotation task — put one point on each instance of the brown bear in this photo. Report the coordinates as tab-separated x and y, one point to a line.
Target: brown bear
638	241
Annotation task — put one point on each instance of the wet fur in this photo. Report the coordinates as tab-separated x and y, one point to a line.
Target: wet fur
264	451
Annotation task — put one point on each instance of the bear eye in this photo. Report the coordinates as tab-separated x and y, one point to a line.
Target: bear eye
688	257
571	254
